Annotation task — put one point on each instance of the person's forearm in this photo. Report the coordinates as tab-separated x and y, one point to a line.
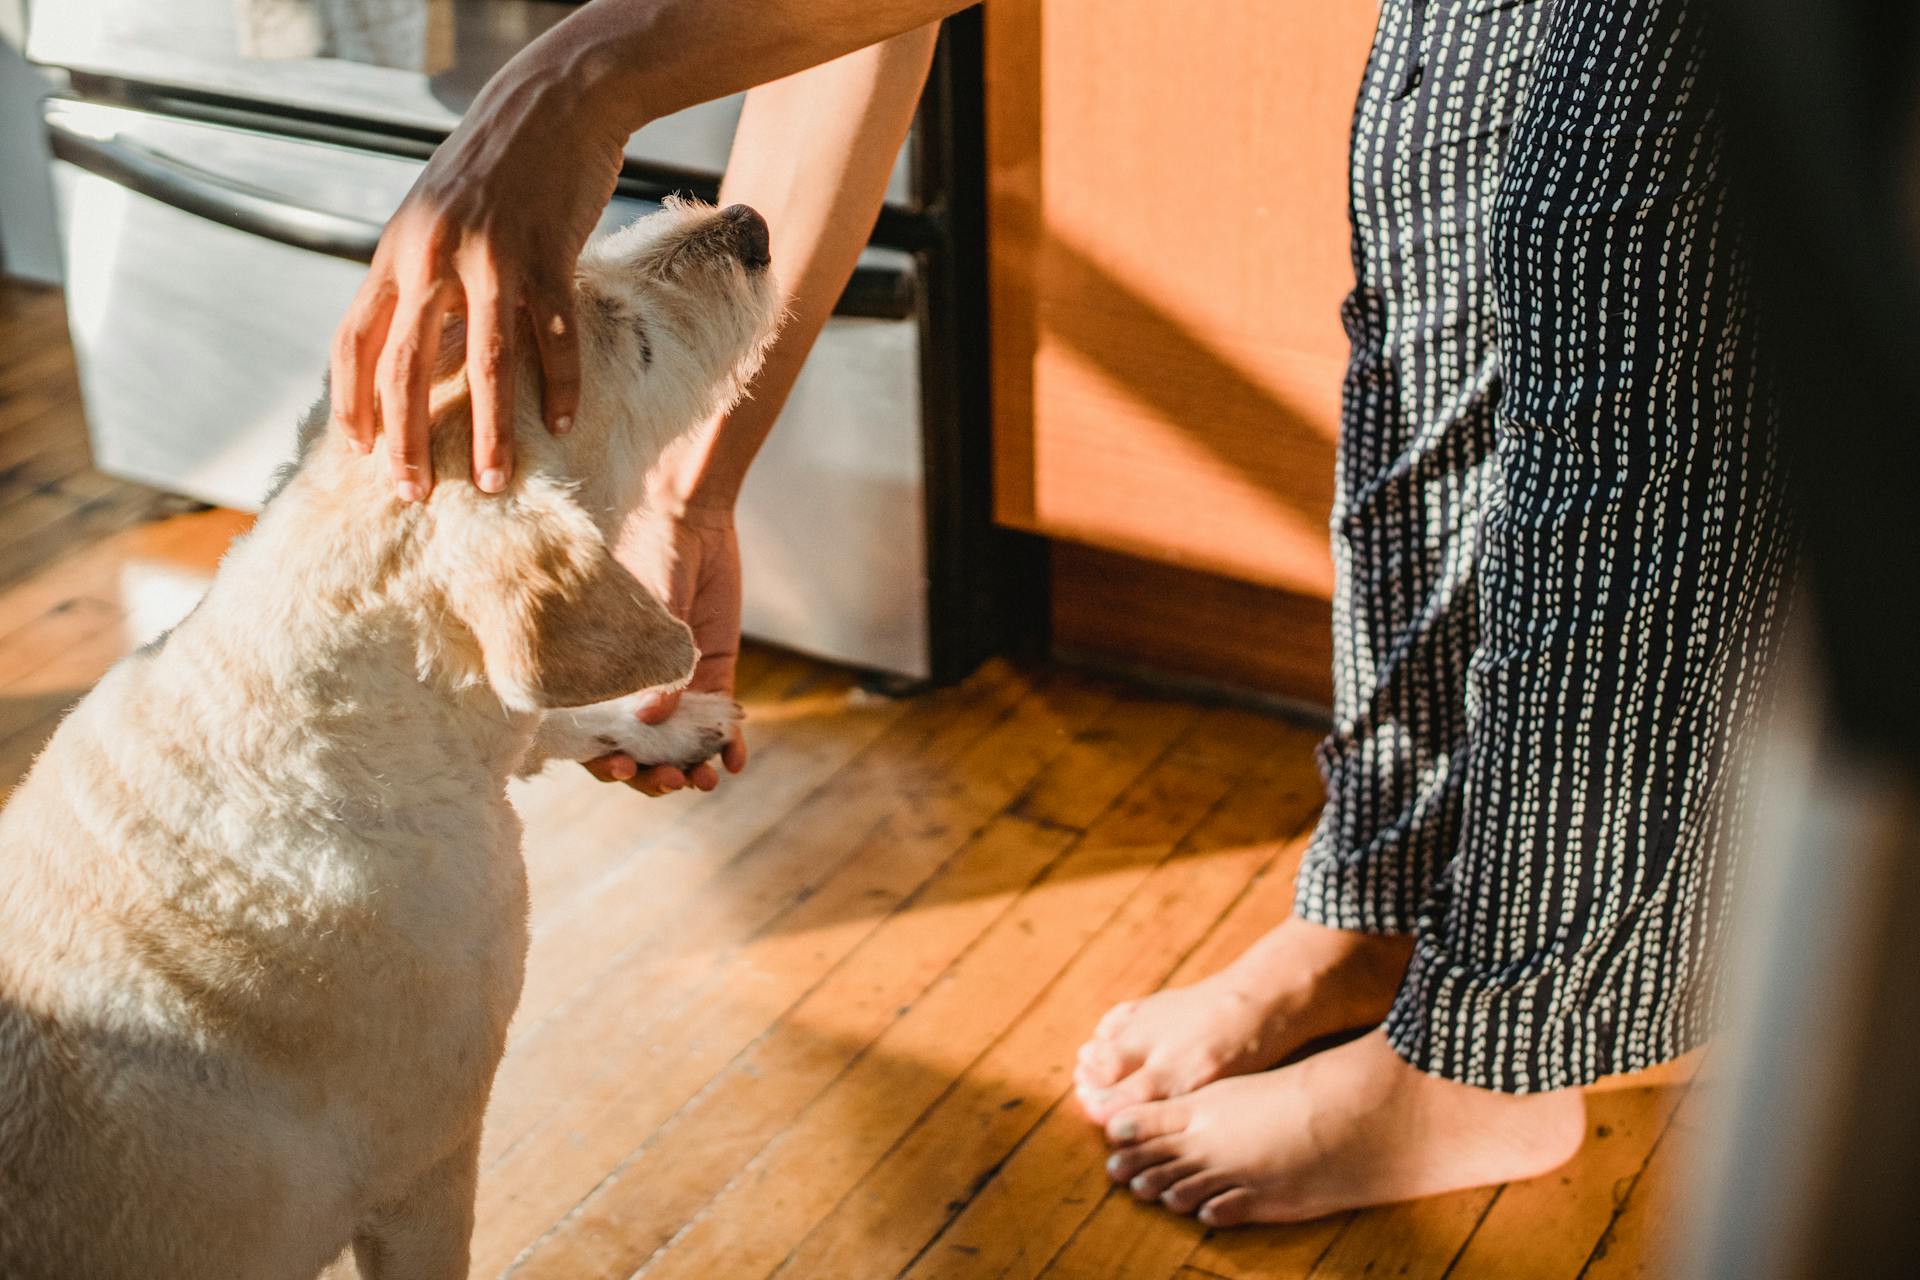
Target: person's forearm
629	62
813	153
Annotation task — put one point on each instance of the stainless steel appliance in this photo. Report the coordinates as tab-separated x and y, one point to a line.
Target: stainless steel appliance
223	168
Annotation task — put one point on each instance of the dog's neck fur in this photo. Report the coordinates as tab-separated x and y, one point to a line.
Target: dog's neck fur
337	576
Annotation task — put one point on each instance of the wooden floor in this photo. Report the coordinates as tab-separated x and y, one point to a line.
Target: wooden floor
820	1023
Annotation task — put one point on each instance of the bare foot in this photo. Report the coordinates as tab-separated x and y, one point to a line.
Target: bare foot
1351	1127
1300	982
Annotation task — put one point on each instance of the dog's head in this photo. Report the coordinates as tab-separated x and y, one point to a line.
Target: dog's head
674	313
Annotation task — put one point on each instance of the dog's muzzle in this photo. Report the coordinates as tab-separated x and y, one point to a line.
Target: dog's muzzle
748	232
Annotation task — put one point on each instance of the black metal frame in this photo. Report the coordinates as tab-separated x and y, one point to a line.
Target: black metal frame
986	585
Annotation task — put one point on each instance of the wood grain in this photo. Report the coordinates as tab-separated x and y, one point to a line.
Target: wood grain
1159	621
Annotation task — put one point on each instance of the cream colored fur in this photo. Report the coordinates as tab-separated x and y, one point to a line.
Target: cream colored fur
262	906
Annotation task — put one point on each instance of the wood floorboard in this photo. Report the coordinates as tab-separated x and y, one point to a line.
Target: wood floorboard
1059	1166
944	1096
1550	1225
819	1024
800	900
1643	1236
875	995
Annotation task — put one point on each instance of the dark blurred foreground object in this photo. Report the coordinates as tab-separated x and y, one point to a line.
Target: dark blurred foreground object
1816	1166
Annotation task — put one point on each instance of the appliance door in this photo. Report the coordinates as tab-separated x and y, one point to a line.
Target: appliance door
206	267
412	64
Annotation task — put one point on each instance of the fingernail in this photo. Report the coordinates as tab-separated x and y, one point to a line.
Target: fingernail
1124	1130
493	479
1139	1185
410	491
563	424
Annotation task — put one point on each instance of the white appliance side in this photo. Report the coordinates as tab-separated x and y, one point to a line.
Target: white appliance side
200	347
832	519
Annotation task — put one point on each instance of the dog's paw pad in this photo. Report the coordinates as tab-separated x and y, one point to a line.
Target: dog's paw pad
706	745
707	720
696	731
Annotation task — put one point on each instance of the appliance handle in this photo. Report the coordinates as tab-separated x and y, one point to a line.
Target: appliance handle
875	292
217	199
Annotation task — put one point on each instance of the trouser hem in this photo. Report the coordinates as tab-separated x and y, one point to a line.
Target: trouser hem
1533	1035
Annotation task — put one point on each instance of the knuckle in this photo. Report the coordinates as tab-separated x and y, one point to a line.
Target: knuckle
488	368
489	352
424	281
399	360
486	300
346	348
392	386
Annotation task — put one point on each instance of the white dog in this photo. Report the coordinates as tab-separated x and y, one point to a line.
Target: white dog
262	907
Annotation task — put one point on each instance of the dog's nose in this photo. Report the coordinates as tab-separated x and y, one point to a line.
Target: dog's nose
750	239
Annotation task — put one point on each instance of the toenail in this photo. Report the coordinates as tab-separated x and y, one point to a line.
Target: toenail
1125	1130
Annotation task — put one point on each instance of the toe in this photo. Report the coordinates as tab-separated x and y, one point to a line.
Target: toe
1128	1164
1116	1018
1194	1190
1151	1120
1102	1064
1144	1085
1152	1184
1228	1209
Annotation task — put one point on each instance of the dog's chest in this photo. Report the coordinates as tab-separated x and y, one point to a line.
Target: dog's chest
432	997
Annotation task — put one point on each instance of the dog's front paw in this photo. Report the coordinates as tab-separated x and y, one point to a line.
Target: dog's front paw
696	730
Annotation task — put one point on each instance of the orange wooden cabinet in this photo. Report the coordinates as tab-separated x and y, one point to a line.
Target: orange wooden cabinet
1167	203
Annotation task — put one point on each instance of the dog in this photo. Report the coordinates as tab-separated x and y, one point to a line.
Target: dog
262	904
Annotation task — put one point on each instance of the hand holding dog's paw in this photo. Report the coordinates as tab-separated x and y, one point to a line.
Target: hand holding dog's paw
698	555
660	753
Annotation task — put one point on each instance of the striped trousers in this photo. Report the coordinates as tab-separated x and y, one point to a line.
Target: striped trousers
1560	536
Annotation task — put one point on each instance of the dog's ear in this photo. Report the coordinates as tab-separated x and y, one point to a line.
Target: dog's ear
559	621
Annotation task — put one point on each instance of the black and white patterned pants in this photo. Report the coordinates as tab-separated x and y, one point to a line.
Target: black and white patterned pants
1560	537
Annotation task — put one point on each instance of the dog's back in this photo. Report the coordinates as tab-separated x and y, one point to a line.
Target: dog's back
129	1094
232	913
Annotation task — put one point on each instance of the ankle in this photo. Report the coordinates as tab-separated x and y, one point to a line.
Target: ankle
1308	973
1342	961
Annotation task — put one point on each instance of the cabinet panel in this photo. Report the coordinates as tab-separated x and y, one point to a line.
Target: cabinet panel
1169	249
